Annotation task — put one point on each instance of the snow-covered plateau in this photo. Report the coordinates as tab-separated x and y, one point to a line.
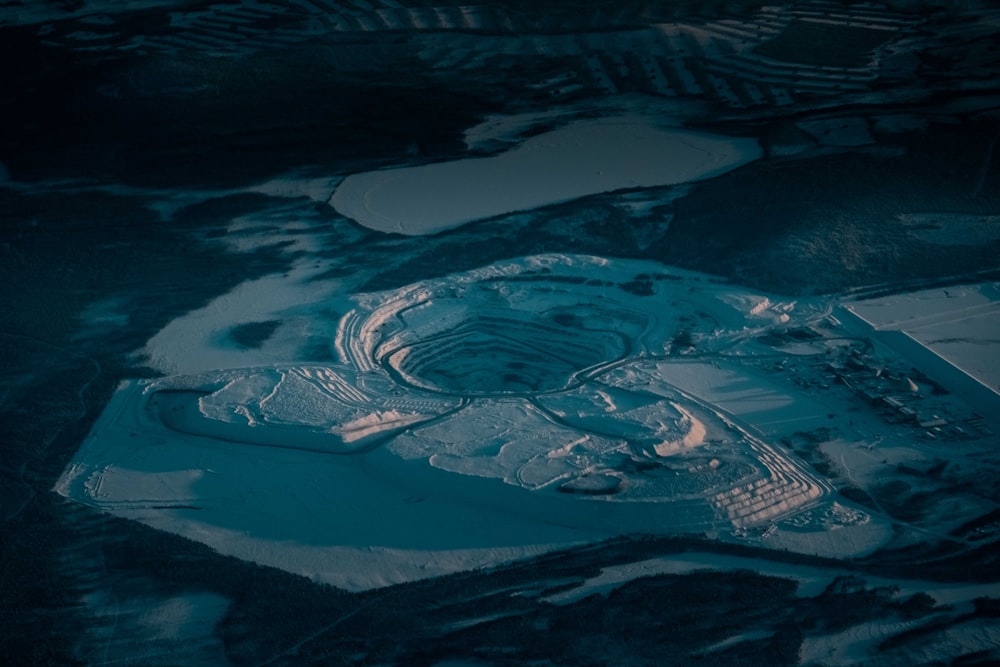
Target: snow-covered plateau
477	418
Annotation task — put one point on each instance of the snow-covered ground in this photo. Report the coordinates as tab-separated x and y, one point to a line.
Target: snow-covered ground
812	581
489	415
196	341
148	628
582	158
957	323
470	420
853	646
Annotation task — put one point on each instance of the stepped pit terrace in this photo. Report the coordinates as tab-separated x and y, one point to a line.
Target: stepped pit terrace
469	420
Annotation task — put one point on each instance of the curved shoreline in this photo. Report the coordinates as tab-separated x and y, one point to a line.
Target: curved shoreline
583	158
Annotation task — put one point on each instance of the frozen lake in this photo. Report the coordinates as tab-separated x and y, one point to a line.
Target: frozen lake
583	158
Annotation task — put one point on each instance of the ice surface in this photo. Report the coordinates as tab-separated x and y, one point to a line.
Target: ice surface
583	158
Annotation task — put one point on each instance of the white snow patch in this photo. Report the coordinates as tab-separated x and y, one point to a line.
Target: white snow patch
374	423
251	233
138	628
100	316
812	581
184	616
197	341
292	186
957	323
694	437
507	130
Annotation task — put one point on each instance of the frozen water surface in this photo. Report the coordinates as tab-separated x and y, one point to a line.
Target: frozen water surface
583	158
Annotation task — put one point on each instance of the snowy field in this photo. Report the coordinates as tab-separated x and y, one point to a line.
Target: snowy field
368	438
957	323
467	421
347	359
365	439
582	158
